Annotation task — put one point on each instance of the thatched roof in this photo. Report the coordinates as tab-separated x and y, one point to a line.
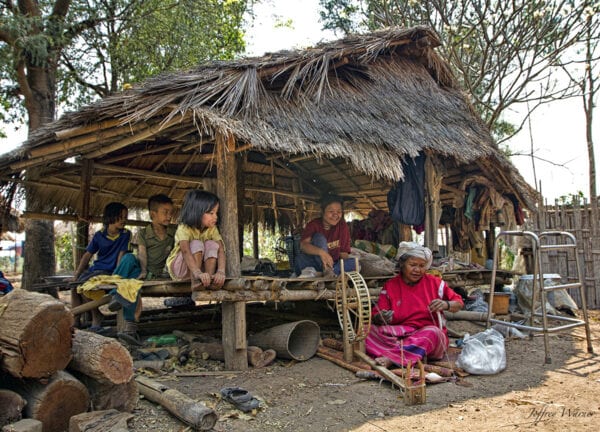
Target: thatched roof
339	118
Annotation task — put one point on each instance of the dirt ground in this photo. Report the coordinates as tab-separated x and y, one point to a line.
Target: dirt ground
317	395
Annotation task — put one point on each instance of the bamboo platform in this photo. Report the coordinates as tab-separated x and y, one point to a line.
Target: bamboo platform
253	288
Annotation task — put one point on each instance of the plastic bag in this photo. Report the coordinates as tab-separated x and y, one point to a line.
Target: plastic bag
483	353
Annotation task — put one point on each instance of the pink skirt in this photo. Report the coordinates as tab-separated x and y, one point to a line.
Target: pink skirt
402	344
209	248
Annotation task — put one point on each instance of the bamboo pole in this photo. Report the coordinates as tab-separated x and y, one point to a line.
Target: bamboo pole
152	174
82	130
65	146
146	133
308	197
250	296
191	412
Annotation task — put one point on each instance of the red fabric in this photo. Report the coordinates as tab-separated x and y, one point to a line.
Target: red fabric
410	303
338	237
385	341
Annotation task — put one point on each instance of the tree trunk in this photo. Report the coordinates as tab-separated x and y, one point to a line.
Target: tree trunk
101	358
39	260
53	403
35	334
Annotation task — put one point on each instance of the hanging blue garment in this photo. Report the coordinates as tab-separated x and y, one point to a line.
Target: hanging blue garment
406	199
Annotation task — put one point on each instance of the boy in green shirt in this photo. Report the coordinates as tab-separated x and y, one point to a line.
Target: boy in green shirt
155	242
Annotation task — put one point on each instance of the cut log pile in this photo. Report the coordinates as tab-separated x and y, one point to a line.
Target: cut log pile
51	372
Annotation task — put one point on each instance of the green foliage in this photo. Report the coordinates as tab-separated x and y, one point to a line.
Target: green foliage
507	256
135	40
63	247
269	244
102	45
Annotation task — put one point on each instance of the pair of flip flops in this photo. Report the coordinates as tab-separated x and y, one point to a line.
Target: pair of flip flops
240	398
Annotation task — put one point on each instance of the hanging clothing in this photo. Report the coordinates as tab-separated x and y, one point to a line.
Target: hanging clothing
406	199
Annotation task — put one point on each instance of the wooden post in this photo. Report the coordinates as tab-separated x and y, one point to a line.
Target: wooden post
233	313
83	224
255	251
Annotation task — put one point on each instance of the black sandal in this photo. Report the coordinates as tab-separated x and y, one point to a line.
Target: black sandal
240	398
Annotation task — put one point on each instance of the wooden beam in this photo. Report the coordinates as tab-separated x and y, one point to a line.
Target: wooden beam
74	218
141	153
349	179
144	173
308	197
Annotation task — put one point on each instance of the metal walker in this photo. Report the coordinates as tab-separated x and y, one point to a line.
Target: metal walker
565	241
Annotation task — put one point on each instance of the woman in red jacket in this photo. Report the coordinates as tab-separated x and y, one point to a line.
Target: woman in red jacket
408	319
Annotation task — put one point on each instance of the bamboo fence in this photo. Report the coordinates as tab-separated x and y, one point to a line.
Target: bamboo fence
576	218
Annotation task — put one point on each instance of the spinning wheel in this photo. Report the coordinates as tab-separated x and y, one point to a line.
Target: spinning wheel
353	306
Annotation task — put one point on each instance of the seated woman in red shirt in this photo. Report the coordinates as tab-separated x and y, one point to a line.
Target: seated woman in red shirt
408	321
325	240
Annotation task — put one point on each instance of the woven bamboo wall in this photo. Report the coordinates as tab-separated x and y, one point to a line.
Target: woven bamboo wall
576	219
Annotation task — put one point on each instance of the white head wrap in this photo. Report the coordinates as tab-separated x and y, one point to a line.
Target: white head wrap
413	249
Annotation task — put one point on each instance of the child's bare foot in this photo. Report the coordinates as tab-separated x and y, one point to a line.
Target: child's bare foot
384	361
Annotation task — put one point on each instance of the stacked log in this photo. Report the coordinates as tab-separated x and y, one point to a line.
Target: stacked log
35	334
52	401
106	369
101	358
37	343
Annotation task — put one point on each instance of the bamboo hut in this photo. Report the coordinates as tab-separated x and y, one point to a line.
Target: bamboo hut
271	135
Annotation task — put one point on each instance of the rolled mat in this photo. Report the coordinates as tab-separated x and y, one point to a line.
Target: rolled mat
297	340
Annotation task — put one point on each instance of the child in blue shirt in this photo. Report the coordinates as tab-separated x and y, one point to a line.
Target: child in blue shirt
109	245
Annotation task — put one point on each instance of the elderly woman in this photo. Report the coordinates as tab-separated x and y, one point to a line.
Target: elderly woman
408	319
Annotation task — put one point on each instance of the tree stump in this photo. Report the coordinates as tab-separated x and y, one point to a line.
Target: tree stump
35	334
101	358
55	402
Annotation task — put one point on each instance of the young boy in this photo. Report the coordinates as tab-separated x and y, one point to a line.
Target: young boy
109	245
155	242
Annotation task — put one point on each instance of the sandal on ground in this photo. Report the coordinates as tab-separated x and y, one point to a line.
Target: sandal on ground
240	398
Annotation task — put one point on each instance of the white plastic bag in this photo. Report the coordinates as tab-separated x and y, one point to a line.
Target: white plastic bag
483	353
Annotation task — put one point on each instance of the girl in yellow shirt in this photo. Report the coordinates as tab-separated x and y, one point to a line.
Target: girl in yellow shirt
198	253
